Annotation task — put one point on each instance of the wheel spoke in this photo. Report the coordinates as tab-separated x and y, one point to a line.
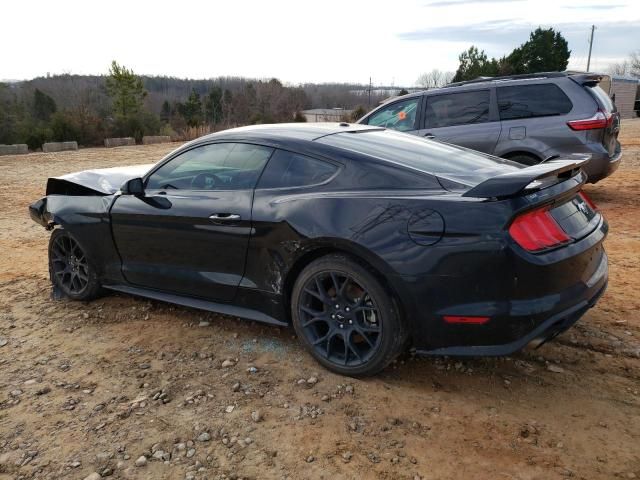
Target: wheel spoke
354	349
345	360
364	335
311	311
324	295
315	294
322	339
314	320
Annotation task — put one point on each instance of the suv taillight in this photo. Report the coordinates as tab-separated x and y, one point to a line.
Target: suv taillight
537	230
599	120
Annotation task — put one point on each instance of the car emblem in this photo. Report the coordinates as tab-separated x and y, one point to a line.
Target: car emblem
583	208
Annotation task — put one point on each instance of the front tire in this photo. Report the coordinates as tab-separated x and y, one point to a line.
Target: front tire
345	318
70	269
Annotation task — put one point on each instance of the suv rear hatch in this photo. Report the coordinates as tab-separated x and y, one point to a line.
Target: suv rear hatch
604	126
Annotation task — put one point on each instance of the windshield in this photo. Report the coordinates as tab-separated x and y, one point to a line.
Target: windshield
440	159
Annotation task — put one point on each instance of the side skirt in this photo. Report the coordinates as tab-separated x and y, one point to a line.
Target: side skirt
224	308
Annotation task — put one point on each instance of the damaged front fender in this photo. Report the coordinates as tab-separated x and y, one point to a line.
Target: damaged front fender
39	214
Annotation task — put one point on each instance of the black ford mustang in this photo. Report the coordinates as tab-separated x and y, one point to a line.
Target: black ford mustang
366	240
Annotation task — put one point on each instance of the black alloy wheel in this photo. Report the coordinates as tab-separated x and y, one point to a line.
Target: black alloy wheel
345	318
69	267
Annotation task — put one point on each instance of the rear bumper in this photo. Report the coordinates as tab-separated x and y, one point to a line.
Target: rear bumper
545	323
603	166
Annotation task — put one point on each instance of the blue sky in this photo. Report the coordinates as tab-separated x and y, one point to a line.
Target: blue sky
296	40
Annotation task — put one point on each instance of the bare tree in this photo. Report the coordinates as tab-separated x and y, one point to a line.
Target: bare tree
631	66
634	61
621	68
434	79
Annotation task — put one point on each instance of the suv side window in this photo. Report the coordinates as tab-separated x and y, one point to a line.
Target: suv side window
219	166
527	101
461	108
288	169
397	116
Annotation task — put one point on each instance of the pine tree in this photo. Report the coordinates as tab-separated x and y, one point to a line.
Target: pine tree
126	90
545	51
43	106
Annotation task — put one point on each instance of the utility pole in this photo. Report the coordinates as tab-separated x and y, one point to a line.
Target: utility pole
593	27
369	101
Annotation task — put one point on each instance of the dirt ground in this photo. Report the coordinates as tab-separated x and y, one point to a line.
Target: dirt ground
90	388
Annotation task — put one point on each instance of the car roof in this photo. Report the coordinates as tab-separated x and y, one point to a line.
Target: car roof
287	131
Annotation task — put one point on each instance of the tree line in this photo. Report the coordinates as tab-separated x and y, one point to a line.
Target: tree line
89	109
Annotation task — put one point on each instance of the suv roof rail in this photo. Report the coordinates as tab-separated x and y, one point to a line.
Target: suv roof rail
581	77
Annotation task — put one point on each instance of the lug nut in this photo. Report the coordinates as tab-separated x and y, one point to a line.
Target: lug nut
347	309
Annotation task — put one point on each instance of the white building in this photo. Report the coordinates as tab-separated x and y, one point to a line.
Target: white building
327	115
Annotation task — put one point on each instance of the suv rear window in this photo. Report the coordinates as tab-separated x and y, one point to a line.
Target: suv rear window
428	156
602	98
458	109
526	101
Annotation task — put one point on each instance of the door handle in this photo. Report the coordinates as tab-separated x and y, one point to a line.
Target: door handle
429	135
224	217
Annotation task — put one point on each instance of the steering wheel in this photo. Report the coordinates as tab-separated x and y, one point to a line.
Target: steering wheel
205	181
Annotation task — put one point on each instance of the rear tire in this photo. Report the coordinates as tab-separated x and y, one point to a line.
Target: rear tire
524	159
345	317
70	269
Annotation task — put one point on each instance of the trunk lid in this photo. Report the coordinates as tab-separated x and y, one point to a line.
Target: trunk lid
609	134
576	216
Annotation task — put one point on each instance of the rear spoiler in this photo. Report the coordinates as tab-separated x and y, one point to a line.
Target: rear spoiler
512	183
588	79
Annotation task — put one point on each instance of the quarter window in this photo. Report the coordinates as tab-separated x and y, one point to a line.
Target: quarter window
397	116
458	109
287	169
526	101
219	166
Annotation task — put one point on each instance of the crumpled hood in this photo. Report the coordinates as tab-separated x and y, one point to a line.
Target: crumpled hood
104	181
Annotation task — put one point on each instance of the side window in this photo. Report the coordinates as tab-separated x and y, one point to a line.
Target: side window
219	166
462	108
287	169
526	101
397	116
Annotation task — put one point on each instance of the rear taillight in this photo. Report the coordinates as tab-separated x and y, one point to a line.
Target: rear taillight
537	230
599	120
588	201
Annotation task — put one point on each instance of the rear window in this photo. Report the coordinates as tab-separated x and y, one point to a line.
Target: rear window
440	159
458	109
526	101
604	101
287	169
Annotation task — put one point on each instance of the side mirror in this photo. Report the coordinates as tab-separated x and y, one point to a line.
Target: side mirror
133	187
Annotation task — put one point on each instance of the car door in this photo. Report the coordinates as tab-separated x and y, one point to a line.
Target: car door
188	233
467	119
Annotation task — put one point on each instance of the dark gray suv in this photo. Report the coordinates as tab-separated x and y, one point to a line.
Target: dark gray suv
526	118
